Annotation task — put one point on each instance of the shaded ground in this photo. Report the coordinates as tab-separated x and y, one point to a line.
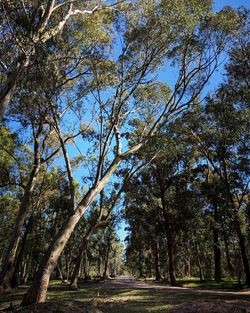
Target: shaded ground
128	295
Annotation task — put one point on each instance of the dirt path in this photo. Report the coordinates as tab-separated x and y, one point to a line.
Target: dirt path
130	282
125	294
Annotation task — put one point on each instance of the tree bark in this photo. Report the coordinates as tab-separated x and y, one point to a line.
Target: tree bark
187	269
78	261
9	258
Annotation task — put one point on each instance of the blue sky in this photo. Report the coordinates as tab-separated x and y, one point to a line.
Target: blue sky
219	4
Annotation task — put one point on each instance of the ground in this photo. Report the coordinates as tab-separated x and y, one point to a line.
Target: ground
129	295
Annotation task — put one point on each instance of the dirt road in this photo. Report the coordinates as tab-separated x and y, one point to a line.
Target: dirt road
130	282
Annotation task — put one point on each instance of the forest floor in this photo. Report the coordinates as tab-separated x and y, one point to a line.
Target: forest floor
124	295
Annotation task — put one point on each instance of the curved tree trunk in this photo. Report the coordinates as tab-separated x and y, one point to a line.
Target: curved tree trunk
9	258
38	290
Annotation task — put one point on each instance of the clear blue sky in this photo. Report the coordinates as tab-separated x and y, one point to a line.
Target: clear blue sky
219	4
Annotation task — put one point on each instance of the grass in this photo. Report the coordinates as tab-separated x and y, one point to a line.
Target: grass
194	282
133	300
151	300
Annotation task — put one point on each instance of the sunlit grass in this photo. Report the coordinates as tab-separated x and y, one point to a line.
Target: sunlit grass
195	282
160	308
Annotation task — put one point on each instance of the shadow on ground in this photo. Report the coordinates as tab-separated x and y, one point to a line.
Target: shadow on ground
116	297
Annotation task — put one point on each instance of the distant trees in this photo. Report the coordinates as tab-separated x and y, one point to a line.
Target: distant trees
164	191
215	173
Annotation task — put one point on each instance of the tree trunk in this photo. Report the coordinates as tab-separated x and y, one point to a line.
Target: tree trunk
216	244
217	256
169	233
171	261
15	278
187	269
38	290
76	271
243	252
157	259
199	261
8	89
229	264
9	258
105	276
25	266
99	262
82	248
238	228
141	260
60	274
